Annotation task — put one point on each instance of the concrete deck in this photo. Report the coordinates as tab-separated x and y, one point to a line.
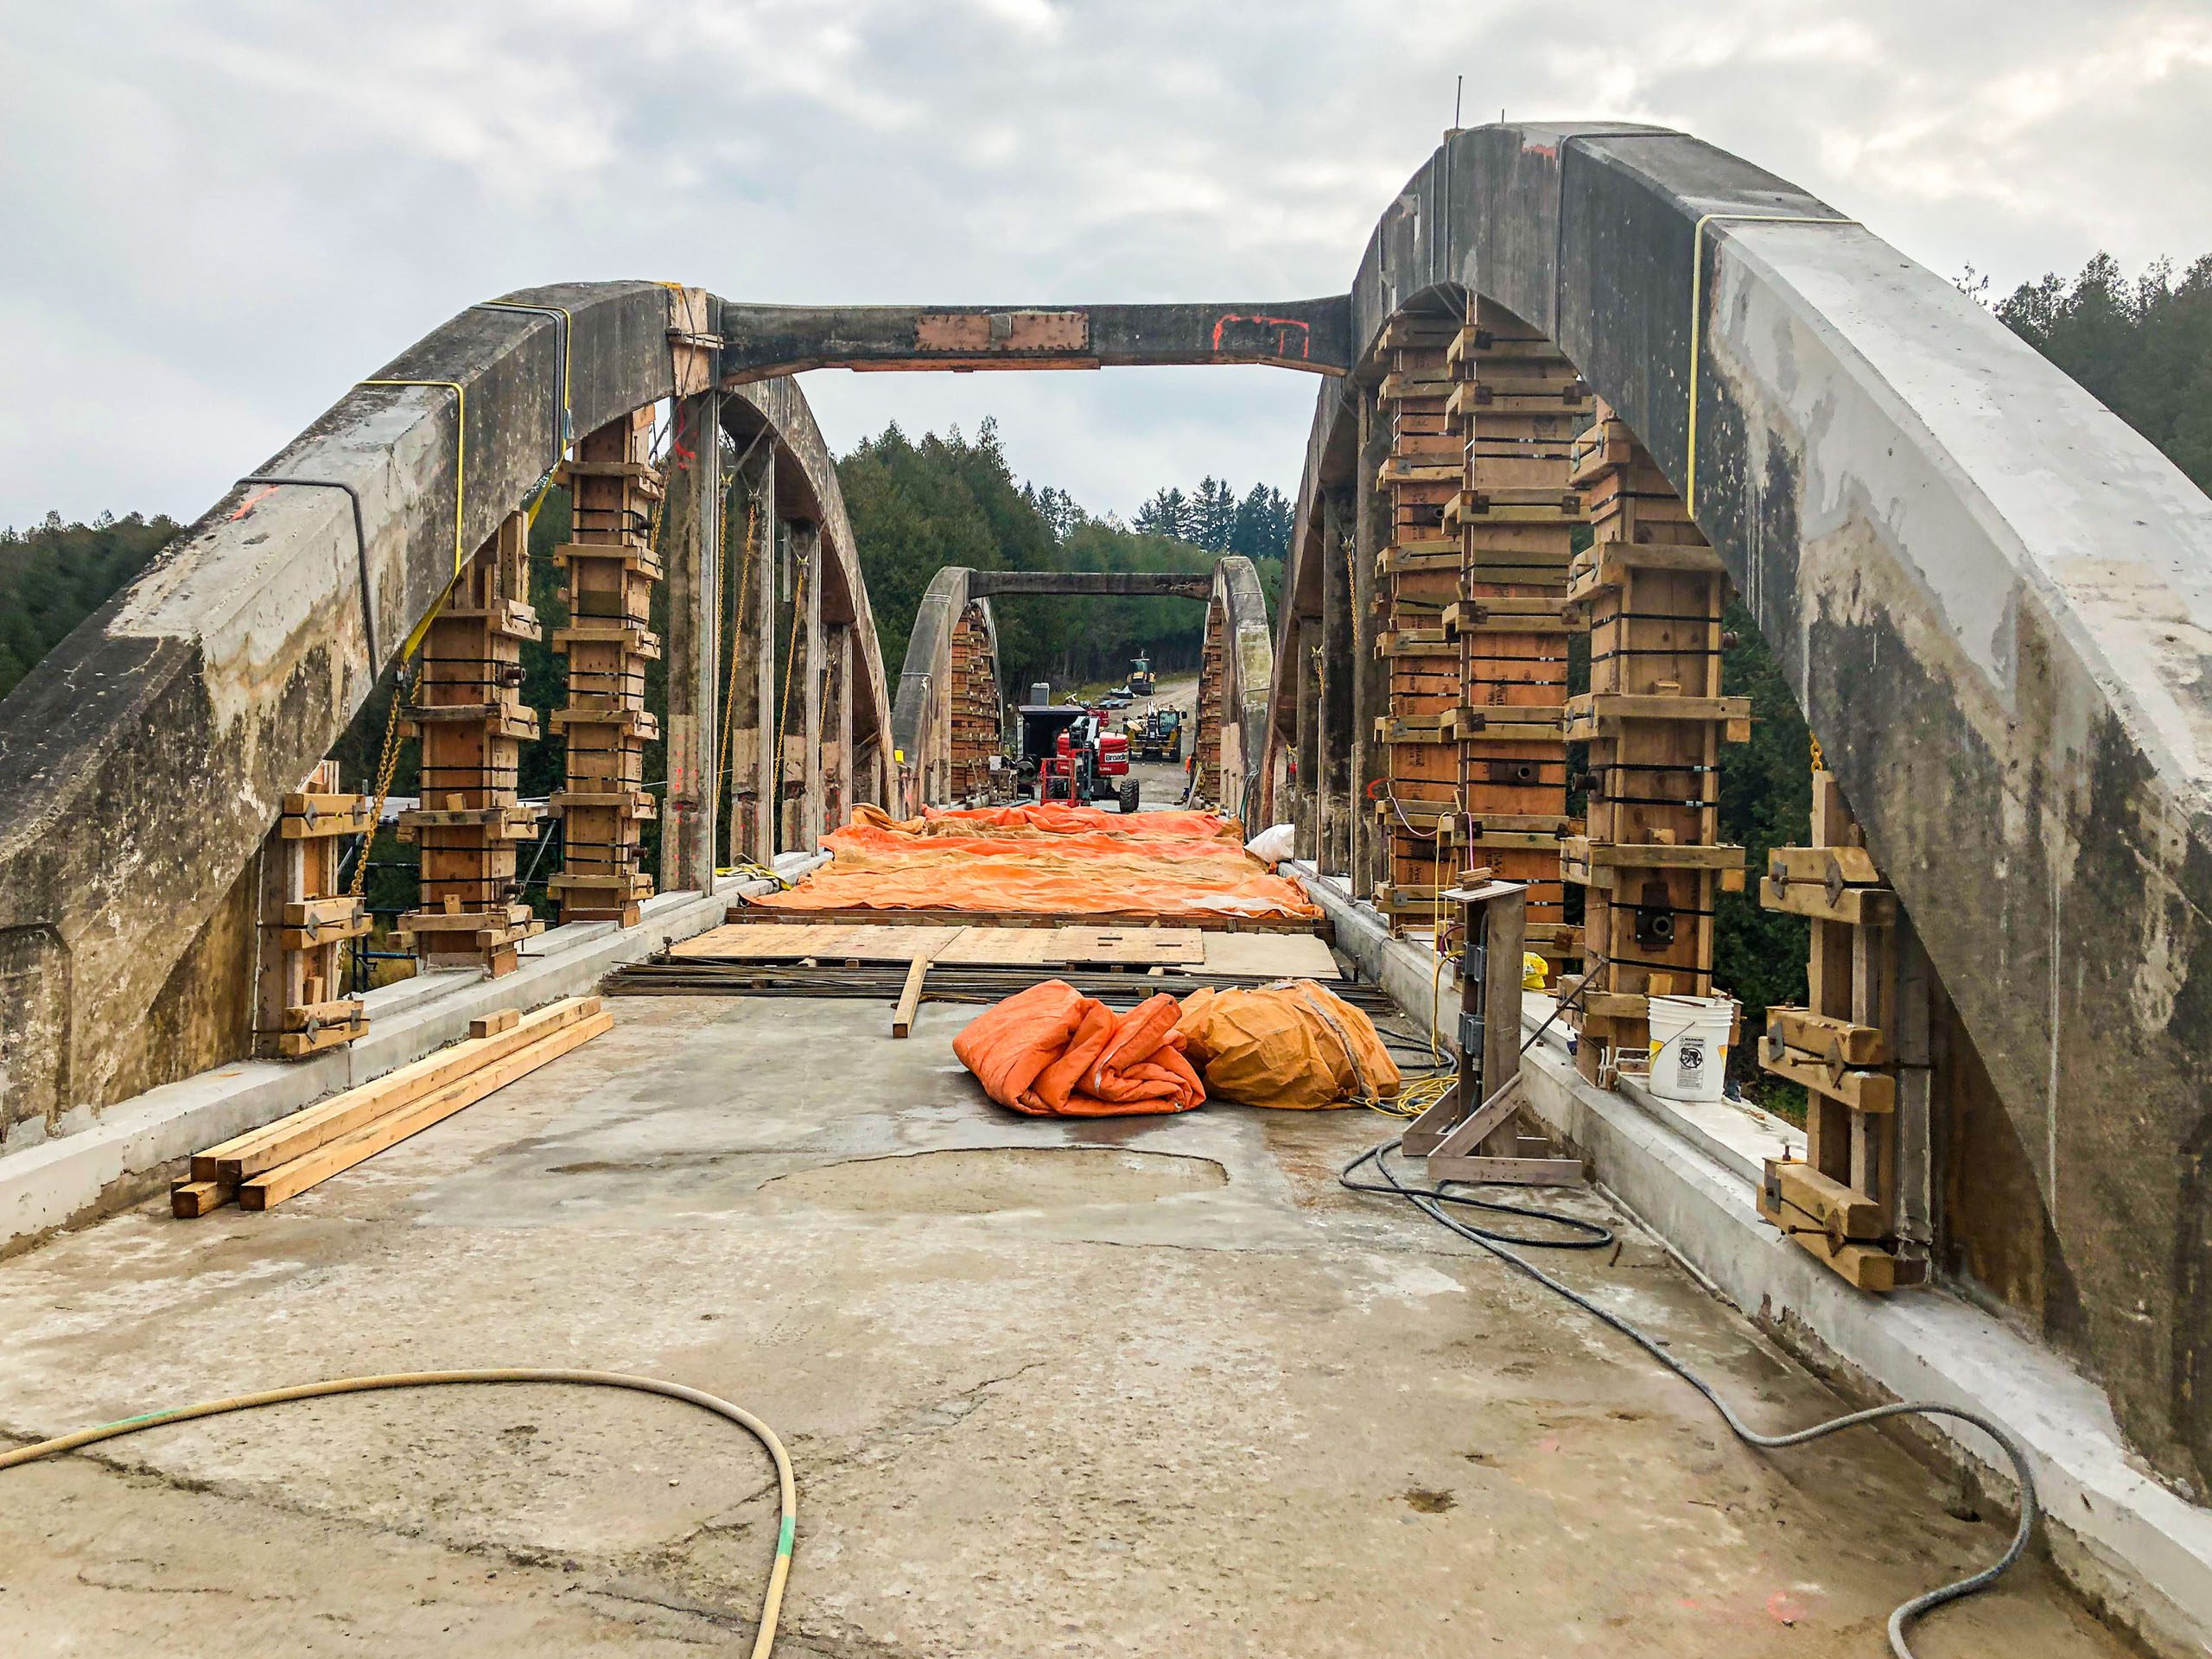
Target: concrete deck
1142	1386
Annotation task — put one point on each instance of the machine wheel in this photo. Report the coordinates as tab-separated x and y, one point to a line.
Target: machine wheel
1176	753
1128	795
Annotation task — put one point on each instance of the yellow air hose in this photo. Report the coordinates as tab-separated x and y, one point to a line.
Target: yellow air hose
771	1603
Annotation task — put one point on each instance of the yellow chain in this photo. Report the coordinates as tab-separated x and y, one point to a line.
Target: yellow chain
386	765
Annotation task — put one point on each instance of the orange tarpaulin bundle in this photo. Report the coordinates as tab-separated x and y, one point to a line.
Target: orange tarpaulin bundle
1047	860
1051	1051
1291	1045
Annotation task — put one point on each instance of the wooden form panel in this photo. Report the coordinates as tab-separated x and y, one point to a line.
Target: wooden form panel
976	707
300	1008
612	566
1841	1203
1654	720
1518	406
472	721
1205	742
1418	580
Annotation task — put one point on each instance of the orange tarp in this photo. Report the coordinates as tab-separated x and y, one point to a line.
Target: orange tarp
1292	1045
1051	1051
1047	860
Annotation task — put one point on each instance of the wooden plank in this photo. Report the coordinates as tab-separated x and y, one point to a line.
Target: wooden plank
288	1179
910	998
491	1025
1863	1092
1855	907
302	1131
1825	866
1653	856
1837	1042
190	1199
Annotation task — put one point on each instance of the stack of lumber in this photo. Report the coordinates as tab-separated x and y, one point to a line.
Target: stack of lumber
1519	404
472	723
1841	1203
1417	577
306	920
975	706
1655	720
268	1164
612	566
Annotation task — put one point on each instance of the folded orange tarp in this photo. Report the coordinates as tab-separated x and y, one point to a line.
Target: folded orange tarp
1048	861
1051	1051
1292	1046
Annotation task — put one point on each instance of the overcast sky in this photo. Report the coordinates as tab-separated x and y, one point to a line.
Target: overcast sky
218	213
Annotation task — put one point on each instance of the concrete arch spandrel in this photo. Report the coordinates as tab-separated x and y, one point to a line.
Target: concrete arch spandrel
1988	595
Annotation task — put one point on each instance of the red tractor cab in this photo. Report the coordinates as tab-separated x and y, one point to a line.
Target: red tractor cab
1077	760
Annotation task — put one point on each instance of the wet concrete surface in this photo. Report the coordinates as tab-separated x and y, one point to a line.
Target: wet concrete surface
1131	1387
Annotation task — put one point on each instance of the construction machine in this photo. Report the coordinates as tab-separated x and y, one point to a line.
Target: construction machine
1071	757
1157	735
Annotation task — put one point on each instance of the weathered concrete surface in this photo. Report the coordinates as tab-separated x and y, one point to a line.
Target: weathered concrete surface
143	761
991	584
1142	1388
1992	599
2141	1553
762	340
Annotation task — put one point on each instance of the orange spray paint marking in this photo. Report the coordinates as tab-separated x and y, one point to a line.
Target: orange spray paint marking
247	506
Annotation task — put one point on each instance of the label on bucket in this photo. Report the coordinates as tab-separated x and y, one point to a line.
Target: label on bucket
1690	1062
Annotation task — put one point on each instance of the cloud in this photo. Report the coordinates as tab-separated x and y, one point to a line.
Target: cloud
222	213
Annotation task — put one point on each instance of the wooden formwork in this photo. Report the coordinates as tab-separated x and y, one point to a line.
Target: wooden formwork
470	716
1840	1203
306	919
976	715
1205	739
1418	580
612	566
1517	405
1654	719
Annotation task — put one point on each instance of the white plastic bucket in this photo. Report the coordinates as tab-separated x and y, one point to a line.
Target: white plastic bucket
1690	1045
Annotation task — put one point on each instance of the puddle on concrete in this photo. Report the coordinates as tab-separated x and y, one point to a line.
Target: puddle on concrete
979	1181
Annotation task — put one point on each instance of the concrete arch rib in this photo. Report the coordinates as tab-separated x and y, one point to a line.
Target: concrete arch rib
922	719
1988	595
142	764
1237	625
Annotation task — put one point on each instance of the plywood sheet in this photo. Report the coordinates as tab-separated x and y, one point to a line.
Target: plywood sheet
823	941
1021	947
1269	956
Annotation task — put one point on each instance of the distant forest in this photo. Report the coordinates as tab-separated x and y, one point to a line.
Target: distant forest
919	504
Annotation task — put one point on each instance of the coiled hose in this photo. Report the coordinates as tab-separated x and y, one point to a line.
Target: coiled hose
1904	1615
771	1603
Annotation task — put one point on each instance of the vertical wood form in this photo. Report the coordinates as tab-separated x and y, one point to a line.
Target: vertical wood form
1518	405
1654	719
470	716
611	565
300	1008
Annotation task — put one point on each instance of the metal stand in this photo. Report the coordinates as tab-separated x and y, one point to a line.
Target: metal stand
1469	1134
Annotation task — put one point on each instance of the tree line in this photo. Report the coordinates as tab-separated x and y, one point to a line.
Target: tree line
918	506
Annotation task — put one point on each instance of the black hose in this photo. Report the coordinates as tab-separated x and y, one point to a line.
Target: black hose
1426	1202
